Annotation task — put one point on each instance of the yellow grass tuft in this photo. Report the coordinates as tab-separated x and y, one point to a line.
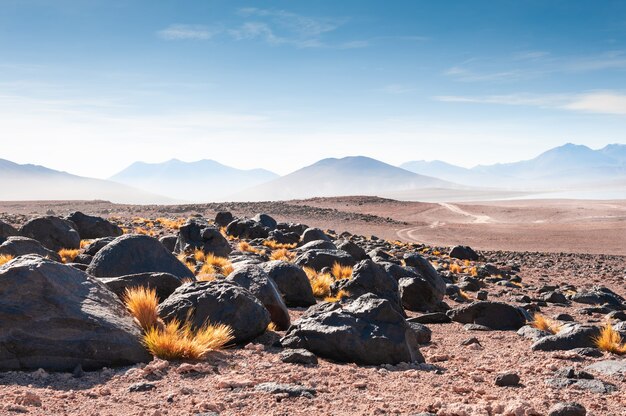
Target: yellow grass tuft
464	295
246	247
341	272
68	254
226	235
610	340
340	295
85	243
144	231
274	245
320	282
178	340
271	327
455	268
171	224
199	255
215	264
282	254
142	303
5	258
544	323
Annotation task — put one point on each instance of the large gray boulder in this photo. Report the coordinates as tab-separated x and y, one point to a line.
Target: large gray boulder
367	330
350	247
254	279
133	254
369	277
493	315
218	302
20	246
463	253
313	234
424	289
97	245
292	282
265	220
247	228
318	259
197	234
90	227
55	317
163	283
6	231
52	232
599	295
568	338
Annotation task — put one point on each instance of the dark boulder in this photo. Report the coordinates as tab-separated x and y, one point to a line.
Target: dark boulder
599	295
283	237
52	232
265	220
292	283
20	246
90	227
169	241
55	317
164	283
367	330
97	245
317	245
318	259
247	228
312	234
197	234
133	254
218	302
419	264
6	231
255	280
464	253
223	218
493	315
568	338
423	334
422	289
357	253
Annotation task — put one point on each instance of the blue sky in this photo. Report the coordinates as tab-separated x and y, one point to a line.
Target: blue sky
91	86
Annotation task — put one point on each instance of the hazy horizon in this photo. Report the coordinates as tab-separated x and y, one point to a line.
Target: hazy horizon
89	88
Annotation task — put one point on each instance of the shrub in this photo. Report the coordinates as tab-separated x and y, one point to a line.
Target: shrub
320	282
68	255
5	258
215	264
142	303
610	340
171	224
274	245
178	340
341	272
246	247
282	254
545	324
85	243
455	268
340	295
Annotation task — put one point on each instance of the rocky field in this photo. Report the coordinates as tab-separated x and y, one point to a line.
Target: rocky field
319	321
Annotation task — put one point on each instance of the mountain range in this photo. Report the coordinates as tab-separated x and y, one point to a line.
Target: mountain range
565	171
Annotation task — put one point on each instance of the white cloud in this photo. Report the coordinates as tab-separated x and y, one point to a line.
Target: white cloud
599	102
186	32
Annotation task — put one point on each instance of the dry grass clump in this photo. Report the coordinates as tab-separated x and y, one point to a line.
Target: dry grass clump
226	235
271	327
85	243
274	245
340	295
5	258
172	224
610	340
68	254
455	268
142	303
144	231
545	324
283	254
215	264
178	340
463	294
320	282
246	247
341	272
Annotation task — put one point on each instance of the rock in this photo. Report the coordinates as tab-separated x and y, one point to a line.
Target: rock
223	218
220	302
90	227
266	221
55	317
530	332
52	232
482	295
169	241
247	228
255	280
367	330
142	386
20	246
423	334
588	352
317	245
164	283
608	367
312	234
432	318
507	379
298	356
599	295
292	390
292	283
426	291
554	296
594	386
6	231
569	337
134	254
494	315
357	253
463	253
197	234
318	259
97	245
567	409
28	398
284	237
369	277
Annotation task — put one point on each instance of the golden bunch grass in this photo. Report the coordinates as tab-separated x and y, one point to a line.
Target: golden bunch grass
320	282
544	323
199	255
144	231
282	254
246	247
5	258
455	268
226	235
85	243
610	340
341	272
142	303
340	295
274	245
68	254
464	295
172	224
215	264
182	257
176	340
271	327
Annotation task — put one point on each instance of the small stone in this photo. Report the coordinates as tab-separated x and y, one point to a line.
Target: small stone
482	295
291	390
470	341
567	409
138	387
28	398
507	379
298	356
